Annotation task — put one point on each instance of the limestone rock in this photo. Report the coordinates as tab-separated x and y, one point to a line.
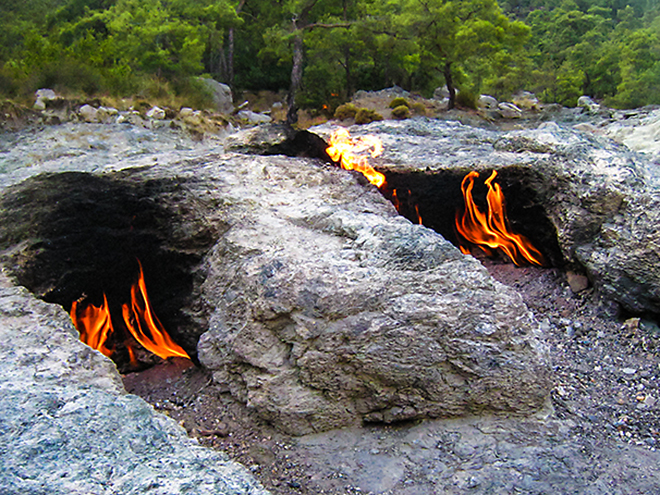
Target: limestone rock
156	113
332	309
509	110
525	100
253	117
441	93
487	102
602	199
221	94
88	113
588	104
68	427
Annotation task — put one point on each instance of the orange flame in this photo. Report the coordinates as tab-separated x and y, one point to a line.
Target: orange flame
346	151
492	230
95	325
144	325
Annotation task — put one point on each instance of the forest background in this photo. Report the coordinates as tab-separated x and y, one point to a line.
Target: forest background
327	49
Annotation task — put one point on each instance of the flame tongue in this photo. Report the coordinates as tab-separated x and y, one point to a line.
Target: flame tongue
491	230
349	153
95	325
144	325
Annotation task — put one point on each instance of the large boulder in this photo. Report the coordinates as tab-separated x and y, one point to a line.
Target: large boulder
221	94
602	199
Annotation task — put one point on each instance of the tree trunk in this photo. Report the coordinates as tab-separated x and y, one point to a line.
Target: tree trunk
230	50
296	77
450	86
230	59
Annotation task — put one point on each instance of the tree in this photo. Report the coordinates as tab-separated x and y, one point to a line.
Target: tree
454	37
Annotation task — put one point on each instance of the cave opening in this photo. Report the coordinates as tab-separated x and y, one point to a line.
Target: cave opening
77	238
436	198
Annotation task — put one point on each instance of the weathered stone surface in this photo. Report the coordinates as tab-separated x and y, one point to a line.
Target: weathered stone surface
509	110
68	427
88	113
603	199
487	102
221	94
330	309
254	117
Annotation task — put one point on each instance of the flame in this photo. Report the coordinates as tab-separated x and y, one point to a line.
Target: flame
95	325
346	151
144	325
492	231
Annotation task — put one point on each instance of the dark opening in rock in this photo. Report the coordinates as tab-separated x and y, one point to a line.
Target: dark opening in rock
437	197
74	236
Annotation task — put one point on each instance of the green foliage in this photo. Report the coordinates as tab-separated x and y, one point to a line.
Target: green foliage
466	99
366	115
609	50
398	101
401	112
418	108
346	111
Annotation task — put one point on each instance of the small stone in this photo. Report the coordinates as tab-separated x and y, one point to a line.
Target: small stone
628	371
577	282
156	113
88	113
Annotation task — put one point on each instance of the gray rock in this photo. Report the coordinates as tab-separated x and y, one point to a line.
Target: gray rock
68	427
107	115
253	117
45	94
487	102
326	308
602	199
42	97
156	113
588	104
525	100
88	114
221	93
441	93
509	110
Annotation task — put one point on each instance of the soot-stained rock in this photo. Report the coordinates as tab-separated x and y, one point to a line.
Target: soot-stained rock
601	198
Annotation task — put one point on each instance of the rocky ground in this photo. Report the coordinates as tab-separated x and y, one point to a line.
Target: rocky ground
598	434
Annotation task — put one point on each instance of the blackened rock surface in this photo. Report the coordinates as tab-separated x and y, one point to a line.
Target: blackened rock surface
603	199
67	426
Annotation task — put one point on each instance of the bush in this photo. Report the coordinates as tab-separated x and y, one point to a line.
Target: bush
8	85
466	99
401	112
399	101
66	76
365	115
418	108
346	111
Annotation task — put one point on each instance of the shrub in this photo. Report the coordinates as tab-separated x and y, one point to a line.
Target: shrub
466	99
401	112
418	108
346	111
399	101
365	115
